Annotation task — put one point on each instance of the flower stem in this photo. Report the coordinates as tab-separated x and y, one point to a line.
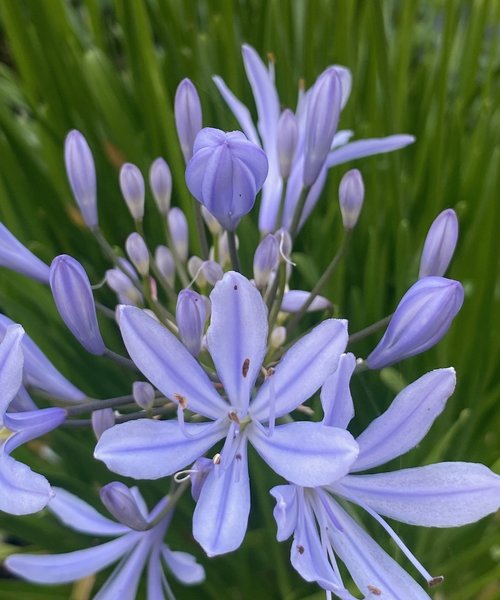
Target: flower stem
200	228
299	209
119	359
233	252
359	335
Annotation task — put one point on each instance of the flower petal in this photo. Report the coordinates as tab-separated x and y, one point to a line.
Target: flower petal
308	454
80	516
446	494
294	299
336	396
63	568
239	110
11	366
221	514
373	570
17	257
286	510
166	362
406	421
149	449
183	566
302	370
368	147
237	336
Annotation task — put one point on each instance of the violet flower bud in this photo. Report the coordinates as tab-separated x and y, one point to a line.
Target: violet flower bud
225	174
144	394
322	117
178	227
190	315
265	260
212	272
72	293
132	187
421	319
286	141
122	504
17	257
101	420
351	196
138	253
80	169
187	109
439	244
213	225
165	263
160	180
193	267
123	286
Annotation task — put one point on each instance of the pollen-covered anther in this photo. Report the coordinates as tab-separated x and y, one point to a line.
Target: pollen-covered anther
216	459
374	590
234	417
182	400
435	581
270	372
245	367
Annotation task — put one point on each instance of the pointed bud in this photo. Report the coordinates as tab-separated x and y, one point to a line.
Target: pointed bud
225	174
278	337
160	180
190	315
212	272
123	287
439	244
101	420
144	394
81	175
17	257
322	117
72	293
138	253
122	504
421	319
187	109
132	187
293	301
286	141
193	267
213	225
265	260
178	226
351	196
165	263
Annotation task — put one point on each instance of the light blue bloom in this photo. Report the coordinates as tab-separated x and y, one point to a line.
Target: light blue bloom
17	257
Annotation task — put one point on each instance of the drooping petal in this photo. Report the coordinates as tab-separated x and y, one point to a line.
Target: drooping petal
63	568
80	516
373	570
17	257
336	396
237	336
442	495
11	366
40	372
407	420
302	370
183	566
307	454
368	147
286	510
239	110
149	449
293	301
166	362
221	514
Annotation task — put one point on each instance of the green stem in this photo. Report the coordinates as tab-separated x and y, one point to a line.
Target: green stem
121	360
174	498
359	335
233	252
281	278
200	228
299	208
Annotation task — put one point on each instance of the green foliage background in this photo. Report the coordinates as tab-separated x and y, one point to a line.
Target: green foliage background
110	69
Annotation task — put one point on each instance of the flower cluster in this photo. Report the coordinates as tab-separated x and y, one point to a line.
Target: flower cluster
225	368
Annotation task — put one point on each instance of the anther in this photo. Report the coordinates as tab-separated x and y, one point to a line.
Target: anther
216	459
234	417
300	549
375	590
435	581
245	367
182	400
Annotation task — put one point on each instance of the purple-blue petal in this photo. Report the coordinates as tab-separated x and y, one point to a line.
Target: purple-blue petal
368	147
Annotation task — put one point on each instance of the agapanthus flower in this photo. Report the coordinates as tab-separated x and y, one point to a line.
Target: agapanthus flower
237	342
137	549
438	495
267	134
17	257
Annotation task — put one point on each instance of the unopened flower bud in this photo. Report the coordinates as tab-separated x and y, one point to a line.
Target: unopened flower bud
121	503
144	394
439	244
132	187
211	271
178	226
160	180
322	117
293	300
101	420
277	337
193	266
225	174
421	319
80	169
187	109
72	293
165	263
138	253
190	315
213	225
123	286
286	140
17	257
265	260
351	196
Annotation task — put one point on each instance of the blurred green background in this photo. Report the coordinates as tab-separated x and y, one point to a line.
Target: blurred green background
110	69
